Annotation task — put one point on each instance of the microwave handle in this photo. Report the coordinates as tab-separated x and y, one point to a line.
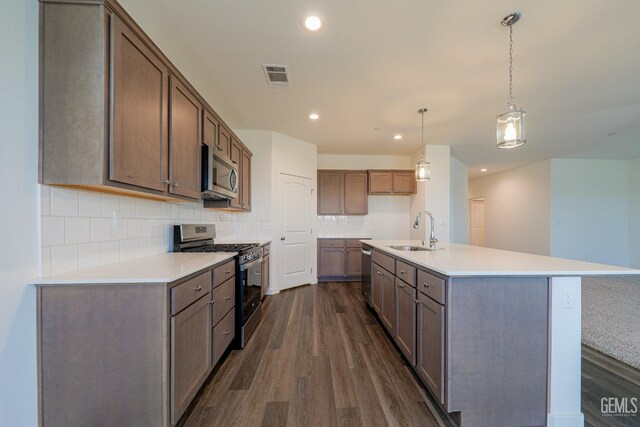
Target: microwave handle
233	180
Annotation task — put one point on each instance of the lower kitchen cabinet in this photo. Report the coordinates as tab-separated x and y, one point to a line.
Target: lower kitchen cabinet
430	350
339	260
377	286
131	353
265	272
190	354
388	309
405	319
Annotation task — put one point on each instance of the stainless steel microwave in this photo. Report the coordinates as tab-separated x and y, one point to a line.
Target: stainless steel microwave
219	175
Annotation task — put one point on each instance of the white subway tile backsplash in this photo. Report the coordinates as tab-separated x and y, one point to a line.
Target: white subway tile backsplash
45	200
119	233
108	204
142	247
89	255
127	249
142	208
134	228
77	230
100	229
128	207
110	252
64	258
45	262
52	231
89	204
64	202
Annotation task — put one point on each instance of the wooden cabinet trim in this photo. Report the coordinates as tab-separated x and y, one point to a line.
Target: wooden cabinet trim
392	182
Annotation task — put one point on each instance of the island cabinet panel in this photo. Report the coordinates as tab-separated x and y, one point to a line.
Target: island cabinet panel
383	260
388	309
265	274
342	192
190	354
377	287
223	334
405	319
430	360
139	145
392	182
432	286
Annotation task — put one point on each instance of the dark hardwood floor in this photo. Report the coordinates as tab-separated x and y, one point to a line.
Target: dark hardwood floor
319	357
604	377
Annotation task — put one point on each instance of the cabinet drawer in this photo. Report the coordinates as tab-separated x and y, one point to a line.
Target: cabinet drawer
225	298
224	271
186	293
332	243
223	334
431	286
354	243
384	261
406	272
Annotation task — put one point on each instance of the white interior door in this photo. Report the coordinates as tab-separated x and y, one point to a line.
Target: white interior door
294	219
476	210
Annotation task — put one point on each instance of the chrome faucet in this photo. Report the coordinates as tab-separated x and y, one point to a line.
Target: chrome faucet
432	239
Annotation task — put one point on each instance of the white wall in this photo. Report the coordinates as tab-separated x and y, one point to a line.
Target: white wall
19	216
517	208
589	210
634	213
434	195
459	203
388	216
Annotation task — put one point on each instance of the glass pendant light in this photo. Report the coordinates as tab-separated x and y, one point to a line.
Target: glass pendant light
423	171
510	126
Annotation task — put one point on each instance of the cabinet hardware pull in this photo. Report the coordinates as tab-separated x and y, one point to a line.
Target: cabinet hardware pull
331	243
175	184
348	251
401	285
198	289
417	301
425	284
227	298
379	274
227	272
212	301
403	272
226	332
166	181
218	147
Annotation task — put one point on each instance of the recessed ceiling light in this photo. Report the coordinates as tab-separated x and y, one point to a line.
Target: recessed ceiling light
397	137
483	170
314	116
313	22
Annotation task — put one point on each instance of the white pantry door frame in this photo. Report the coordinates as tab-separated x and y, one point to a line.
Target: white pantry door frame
295	211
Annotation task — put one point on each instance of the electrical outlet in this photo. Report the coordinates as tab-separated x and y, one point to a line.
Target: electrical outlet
118	222
568	299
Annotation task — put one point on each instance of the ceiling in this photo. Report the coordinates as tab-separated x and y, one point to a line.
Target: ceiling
576	72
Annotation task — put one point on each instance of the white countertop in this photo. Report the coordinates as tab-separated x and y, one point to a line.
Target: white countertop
161	268
464	260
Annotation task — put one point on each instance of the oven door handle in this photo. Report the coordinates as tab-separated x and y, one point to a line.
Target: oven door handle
248	265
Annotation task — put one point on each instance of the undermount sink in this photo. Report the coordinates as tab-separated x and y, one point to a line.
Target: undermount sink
409	248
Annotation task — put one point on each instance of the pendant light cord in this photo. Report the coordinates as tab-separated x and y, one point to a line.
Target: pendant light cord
422	137
511	100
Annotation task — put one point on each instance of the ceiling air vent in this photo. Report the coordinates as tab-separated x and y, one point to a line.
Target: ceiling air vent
277	75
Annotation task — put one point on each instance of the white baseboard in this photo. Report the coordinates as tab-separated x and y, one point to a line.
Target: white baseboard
272	292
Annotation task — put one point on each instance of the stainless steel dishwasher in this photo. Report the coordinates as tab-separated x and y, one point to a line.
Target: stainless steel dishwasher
366	273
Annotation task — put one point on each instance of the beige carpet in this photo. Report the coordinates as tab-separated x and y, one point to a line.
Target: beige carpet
611	316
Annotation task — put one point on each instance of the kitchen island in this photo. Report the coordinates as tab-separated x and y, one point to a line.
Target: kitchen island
494	335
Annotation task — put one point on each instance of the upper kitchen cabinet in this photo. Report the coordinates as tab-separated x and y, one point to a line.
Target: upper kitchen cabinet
115	115
245	180
342	192
396	182
184	141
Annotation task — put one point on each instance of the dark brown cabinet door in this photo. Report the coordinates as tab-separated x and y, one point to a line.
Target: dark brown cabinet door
405	321
330	193
353	262
430	348
356	198
245	181
377	286
190	354
224	141
380	182
210	131
404	182
388	312
265	275
331	262
184	141
139	139
235	154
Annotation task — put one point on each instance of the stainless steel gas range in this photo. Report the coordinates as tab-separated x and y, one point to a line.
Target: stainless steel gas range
200	238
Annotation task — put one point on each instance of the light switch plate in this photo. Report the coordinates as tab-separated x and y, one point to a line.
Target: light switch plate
118	222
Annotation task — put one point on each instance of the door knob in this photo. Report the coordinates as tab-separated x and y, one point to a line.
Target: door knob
282	238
